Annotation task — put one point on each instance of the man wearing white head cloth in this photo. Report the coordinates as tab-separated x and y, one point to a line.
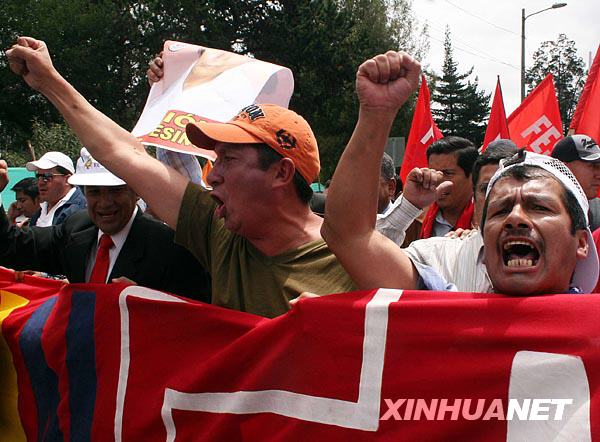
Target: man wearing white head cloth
534	223
112	239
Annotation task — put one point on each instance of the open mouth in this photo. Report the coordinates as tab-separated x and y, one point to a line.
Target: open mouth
520	254
107	215
220	210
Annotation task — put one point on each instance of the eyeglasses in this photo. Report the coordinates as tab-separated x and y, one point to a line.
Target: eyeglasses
45	177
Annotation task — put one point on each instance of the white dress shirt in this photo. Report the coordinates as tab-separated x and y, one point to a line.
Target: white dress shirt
458	260
46	215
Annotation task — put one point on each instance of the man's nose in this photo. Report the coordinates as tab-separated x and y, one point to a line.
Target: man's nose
517	218
214	177
106	199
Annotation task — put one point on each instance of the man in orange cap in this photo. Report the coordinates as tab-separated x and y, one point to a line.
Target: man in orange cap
255	232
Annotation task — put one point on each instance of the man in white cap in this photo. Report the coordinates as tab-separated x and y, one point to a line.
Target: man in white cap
581	155
112	239
59	199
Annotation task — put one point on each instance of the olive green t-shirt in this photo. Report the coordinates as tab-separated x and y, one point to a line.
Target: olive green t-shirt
242	277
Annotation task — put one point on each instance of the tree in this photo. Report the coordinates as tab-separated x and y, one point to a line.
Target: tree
461	108
323	43
103	48
560	59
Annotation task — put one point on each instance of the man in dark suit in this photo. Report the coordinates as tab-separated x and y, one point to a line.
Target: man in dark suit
112	239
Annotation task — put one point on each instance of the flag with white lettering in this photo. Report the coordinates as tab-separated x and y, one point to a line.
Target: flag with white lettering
586	119
497	125
536	124
206	84
423	132
109	362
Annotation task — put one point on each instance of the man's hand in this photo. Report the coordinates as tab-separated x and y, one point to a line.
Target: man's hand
3	175
155	70
460	233
386	81
30	59
303	295
124	280
422	185
13	212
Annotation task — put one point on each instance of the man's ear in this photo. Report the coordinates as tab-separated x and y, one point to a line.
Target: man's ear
583	248
392	187
283	172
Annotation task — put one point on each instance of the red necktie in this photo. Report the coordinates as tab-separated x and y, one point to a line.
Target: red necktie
100	270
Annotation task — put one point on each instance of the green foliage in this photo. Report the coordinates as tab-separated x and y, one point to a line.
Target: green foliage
462	109
560	59
45	138
103	47
54	137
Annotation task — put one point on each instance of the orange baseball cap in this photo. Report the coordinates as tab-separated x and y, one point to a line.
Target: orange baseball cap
283	130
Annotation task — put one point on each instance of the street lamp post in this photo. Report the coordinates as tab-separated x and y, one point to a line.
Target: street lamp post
523	18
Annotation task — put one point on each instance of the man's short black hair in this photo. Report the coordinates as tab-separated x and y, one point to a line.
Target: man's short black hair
387	167
465	151
268	156
63	171
28	186
496	151
528	172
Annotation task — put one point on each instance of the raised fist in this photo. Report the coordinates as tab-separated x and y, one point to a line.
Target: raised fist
30	59
422	185
386	81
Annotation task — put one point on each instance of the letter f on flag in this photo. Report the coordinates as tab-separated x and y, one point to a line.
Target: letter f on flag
497	125
423	132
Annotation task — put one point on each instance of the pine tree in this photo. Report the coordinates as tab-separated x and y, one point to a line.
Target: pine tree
461	108
568	69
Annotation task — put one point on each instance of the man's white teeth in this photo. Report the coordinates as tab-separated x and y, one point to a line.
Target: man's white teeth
520	262
516	243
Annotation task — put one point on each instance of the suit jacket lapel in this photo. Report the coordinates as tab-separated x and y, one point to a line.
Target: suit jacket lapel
78	252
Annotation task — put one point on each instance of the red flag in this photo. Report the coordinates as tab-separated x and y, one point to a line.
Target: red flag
586	119
536	123
423	132
105	362
497	126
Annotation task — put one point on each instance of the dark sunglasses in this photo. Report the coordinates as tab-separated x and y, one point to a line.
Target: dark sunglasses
47	176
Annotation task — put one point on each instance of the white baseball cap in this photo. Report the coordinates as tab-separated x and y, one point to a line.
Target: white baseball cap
91	173
50	160
586	271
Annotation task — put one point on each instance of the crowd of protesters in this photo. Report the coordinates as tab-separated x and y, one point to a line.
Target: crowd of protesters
505	220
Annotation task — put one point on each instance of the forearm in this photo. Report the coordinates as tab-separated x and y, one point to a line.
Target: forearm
352	197
118	150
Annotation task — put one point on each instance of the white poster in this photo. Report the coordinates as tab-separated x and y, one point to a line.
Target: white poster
206	84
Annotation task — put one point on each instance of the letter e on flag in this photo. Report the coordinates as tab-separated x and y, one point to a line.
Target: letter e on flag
536	123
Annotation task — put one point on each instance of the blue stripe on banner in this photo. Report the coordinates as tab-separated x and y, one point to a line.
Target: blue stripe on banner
44	381
81	365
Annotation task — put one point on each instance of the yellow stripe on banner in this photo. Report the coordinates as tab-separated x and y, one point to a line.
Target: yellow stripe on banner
10	423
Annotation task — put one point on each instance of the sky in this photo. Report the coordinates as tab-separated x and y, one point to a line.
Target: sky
487	35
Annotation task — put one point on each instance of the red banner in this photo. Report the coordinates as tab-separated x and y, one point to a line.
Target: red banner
106	362
423	132
536	123
497	125
586	119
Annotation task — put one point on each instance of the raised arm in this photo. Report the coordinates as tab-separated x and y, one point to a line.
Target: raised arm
383	84
113	146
